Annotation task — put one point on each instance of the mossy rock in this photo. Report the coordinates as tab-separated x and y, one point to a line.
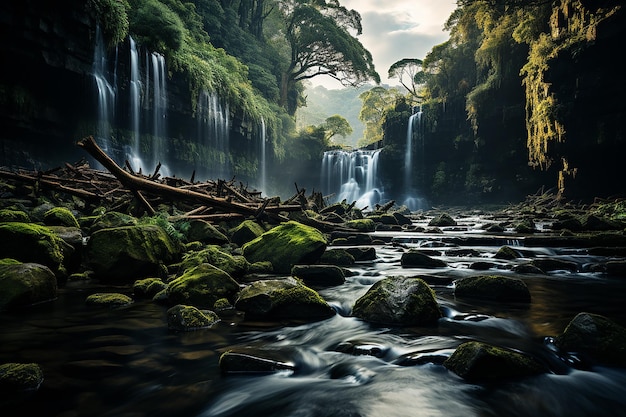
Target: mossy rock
526	226
19	377
60	216
554	264
286	245
112	299
506	253
339	257
125	254
285	298
235	266
442	220
148	287
477	361
362	225
205	232
202	286
493	287
112	219
245	232
363	254
8	215
417	259
595	336
400	301
31	242
189	318
24	284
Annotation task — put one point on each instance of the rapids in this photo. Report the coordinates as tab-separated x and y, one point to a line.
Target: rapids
125	362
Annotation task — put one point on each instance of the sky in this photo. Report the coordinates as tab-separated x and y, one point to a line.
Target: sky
396	29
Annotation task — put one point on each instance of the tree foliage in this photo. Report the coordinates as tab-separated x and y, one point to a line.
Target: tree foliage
336	125
409	73
375	103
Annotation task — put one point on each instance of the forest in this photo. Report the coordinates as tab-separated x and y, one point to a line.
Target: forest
524	94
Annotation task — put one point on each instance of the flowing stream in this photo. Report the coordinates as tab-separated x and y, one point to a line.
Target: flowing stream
125	362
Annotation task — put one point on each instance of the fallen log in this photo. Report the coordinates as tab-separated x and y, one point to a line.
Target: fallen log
135	183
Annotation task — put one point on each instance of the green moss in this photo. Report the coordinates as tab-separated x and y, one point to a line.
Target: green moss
362	225
24	284
60	216
287	245
20	376
245	232
493	287
235	266
202	286
188	318
7	215
108	299
32	243
148	287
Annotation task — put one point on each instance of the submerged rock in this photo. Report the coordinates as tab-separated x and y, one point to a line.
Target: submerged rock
595	336
19	377
477	361
493	287
398	300
188	318
24	284
282	298
286	245
130	252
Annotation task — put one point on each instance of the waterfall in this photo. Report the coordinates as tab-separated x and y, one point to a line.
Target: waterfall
159	110
263	161
351	176
135	106
214	132
106	92
414	142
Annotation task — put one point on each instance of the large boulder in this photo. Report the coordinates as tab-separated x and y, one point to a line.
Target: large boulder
235	266
125	254
24	284
202	286
282	298
596	337
205	232
29	242
477	361
417	259
493	287
398	300
60	216
286	245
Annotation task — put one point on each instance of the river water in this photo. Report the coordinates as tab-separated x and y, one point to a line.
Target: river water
126	363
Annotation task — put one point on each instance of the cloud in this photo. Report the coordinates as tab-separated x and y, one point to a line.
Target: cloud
398	29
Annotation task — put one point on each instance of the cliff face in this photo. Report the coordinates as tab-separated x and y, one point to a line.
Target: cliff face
49	99
45	80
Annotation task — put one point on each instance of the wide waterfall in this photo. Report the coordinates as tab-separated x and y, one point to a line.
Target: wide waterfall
105	85
352	176
213	118
414	160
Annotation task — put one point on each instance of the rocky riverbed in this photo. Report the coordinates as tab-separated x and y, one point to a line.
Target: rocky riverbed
332	311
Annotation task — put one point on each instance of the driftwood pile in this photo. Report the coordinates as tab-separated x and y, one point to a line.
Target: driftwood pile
119	187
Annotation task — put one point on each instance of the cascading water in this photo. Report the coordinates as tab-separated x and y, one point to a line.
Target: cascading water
414	148
106	92
159	110
135	106
263	161
214	132
351	176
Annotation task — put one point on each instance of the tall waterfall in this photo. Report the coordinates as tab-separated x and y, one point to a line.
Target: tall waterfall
135	106
414	150
263	160
214	132
105	90
351	176
159	110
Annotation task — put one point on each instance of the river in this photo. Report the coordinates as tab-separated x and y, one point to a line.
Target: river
126	363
